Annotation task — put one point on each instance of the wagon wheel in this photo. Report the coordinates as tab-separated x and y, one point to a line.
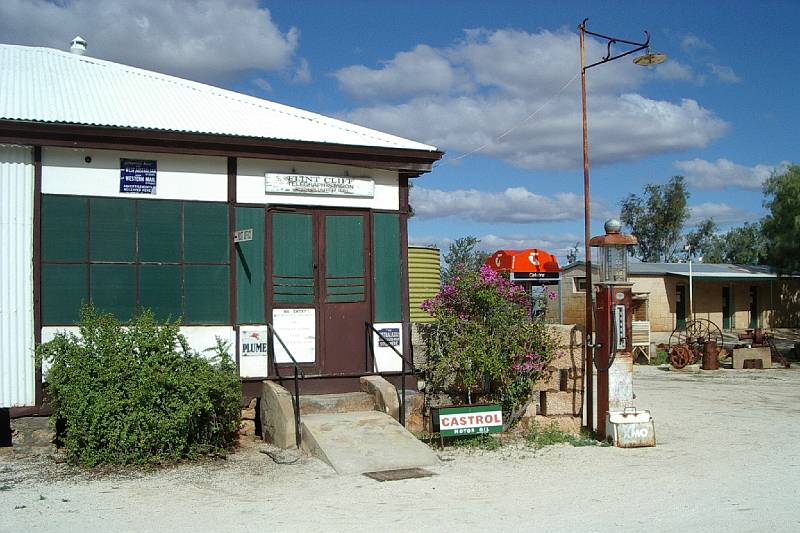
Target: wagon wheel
680	355
695	334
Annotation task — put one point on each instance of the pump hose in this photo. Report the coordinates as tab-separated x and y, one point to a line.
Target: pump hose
612	356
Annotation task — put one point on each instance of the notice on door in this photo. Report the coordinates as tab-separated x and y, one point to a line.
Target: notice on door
298	329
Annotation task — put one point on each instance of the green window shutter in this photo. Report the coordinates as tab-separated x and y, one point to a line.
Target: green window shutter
64	290
250	267
205	233
160	290
112	229
64	228
159	224
113	289
292	258
206	290
344	258
386	257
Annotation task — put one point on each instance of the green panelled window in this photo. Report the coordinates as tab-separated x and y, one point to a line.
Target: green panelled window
123	254
344	258
292	258
112	230
386	257
250	267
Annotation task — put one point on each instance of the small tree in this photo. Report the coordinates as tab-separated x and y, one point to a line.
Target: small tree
484	340
657	218
782	225
462	255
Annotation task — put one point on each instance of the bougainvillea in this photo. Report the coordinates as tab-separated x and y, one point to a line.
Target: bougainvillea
484	342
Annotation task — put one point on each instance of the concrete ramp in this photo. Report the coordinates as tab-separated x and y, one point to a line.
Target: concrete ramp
363	441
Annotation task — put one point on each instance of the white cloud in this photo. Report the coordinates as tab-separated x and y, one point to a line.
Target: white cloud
512	74
202	39
302	74
693	43
720	212
262	84
422	70
724	73
677	71
724	173
515	205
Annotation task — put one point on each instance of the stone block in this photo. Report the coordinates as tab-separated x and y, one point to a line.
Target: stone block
277	415
415	416
560	380
247	428
249	412
567	334
763	353
384	393
565	423
560	403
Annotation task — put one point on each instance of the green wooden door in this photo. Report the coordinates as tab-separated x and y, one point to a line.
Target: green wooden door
753	307
344	305
726	308
680	307
318	261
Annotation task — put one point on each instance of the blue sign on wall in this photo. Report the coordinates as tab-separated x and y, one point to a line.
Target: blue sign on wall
137	176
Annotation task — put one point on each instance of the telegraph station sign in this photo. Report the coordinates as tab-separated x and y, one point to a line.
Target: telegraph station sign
358	187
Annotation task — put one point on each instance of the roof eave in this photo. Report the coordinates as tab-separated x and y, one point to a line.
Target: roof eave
414	162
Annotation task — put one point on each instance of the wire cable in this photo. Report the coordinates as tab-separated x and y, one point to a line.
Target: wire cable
512	128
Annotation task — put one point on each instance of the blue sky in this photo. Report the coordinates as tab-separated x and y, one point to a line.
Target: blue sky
722	111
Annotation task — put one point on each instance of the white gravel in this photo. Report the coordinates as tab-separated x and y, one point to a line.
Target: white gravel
726	460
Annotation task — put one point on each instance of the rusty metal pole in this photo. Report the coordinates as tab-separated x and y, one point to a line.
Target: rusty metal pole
589	365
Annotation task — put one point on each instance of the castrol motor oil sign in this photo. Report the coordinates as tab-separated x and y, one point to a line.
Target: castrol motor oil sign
470	420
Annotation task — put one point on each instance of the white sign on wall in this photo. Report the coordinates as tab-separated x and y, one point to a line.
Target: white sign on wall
253	351
386	360
360	187
298	330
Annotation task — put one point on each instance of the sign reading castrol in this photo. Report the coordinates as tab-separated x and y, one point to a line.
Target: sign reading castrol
470	420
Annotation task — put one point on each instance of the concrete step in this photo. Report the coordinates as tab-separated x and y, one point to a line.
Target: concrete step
363	441
336	403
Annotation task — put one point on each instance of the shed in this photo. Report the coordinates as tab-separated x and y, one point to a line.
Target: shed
130	188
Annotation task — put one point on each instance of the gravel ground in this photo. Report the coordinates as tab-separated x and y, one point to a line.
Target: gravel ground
725	461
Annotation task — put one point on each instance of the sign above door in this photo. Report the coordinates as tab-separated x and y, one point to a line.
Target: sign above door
359	187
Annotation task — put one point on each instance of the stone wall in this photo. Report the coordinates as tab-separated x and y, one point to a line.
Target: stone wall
558	398
247	427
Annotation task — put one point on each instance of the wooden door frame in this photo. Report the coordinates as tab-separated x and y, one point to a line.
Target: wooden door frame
318	256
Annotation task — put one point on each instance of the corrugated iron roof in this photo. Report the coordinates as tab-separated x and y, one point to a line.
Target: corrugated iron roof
699	270
48	85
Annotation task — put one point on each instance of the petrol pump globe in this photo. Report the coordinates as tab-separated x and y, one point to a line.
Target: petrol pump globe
613	253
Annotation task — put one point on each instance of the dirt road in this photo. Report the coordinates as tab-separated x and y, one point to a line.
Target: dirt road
726	460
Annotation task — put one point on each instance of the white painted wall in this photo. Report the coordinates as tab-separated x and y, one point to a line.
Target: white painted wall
17	368
200	338
179	177
250	185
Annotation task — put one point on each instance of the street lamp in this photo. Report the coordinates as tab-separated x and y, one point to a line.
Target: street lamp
647	59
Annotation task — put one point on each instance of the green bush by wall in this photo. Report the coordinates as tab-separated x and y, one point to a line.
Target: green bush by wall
136	393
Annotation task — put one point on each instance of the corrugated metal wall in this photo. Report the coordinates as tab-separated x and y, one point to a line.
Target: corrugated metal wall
424	278
17	369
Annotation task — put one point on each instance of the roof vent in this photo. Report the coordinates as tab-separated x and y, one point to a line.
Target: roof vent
78	45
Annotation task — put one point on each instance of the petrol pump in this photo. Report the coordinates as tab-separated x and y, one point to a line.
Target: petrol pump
618	419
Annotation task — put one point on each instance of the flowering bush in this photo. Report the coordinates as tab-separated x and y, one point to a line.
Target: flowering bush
484	340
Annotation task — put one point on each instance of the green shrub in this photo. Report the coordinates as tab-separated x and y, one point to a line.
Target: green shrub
136	393
539	437
484	344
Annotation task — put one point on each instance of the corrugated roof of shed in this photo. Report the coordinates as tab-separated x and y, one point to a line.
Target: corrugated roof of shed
48	85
